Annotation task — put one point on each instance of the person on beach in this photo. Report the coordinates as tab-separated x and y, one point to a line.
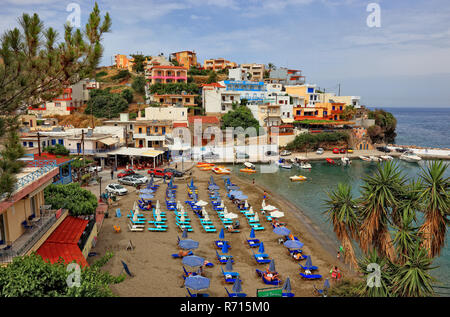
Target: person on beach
265	197
183	253
338	255
253	182
112	173
335	273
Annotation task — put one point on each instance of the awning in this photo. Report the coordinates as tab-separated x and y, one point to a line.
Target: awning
109	141
147	152
287	120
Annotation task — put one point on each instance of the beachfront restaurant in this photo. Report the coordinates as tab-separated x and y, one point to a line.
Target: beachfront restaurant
124	156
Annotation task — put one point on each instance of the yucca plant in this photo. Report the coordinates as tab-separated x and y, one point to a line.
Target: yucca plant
342	211
405	238
377	271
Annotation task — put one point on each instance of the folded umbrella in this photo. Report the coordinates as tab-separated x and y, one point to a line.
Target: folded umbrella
261	248
287	286
222	234
252	234
229	265
225	248
272	266
237	288
185	234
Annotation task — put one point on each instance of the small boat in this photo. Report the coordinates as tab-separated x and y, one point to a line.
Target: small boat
345	161
330	161
282	163
296	178
365	158
305	165
410	157
375	159
203	164
249	168
206	167
386	157
249	165
221	170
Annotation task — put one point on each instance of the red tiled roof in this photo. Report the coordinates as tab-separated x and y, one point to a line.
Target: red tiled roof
204	119
212	85
63	242
180	124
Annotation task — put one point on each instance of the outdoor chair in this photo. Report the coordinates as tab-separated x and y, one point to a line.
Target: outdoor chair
310	276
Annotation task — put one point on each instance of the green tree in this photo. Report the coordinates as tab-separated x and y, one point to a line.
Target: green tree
241	117
31	276
77	200
138	63
139	84
212	77
35	66
386	123
57	149
127	94
104	104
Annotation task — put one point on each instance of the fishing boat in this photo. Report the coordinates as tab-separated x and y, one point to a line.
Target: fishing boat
386	157
375	159
296	178
365	158
221	170
330	161
249	168
282	163
410	157
305	165
345	161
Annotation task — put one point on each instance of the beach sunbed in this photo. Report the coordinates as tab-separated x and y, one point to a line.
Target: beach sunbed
223	258
135	228
197	295
276	281
261	258
219	244
235	294
157	228
310	268
310	276
253	243
230	277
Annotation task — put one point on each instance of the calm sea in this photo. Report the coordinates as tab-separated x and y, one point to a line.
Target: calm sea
310	196
422	126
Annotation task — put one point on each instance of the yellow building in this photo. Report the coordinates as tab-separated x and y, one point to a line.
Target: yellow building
152	133
218	64
123	62
186	59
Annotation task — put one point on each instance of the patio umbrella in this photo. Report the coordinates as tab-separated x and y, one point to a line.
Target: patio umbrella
246	204
237	288
277	214
225	248
252	234
308	263
270	208
188	244
135	217
211	180
182	218
261	248
146	191
235	192
222	234
221	204
293	244
326	284
185	234
250	211
272	266
242	197
206	217
146	196
287	286
256	217
157	204
231	215
225	210
192	182
197	282
229	265
282	231
158	217
263	204
193	260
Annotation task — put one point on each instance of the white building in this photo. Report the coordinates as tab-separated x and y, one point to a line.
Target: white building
175	114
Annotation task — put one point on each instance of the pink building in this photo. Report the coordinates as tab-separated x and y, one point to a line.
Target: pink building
166	74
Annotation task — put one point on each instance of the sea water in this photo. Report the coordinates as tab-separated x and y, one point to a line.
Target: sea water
310	196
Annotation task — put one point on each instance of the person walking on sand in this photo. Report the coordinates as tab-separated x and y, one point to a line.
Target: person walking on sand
265	196
112	173
253	182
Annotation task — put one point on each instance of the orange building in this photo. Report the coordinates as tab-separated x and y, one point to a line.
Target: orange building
320	111
185	58
123	62
218	64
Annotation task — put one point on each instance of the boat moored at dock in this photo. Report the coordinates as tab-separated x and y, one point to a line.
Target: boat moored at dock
410	157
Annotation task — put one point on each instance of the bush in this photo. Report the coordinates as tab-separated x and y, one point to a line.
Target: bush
308	140
57	149
121	74
105	104
174	88
77	200
127	95
139	85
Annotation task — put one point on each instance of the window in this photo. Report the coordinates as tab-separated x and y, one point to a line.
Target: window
57	104
223	108
163	130
156	129
30	144
140	130
53	141
60	141
24	143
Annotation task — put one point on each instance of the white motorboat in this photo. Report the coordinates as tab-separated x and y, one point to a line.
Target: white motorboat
410	157
305	165
249	165
365	158
345	161
283	164
386	157
375	159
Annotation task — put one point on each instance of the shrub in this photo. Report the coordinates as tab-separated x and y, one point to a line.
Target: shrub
77	200
57	149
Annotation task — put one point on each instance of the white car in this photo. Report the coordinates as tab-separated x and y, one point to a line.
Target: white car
95	168
128	180
141	179
116	189
319	151
285	153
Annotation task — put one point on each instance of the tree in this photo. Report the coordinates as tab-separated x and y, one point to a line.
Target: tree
57	149
348	113
77	200
138	63
212	78
31	276
241	117
139	84
127	94
104	104
36	67
122	74
386	123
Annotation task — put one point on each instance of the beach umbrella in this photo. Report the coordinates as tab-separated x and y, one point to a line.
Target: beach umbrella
229	265
182	218
221	204
157	204
201	203
263	204
287	286
151	180
225	210
225	248
237	288
158	218
308	263
135	217
250	211
277	214
213	187
256	217
188	244
326	284
272	266
235	192
206	217
193	260
282	231
197	282
211	180
293	244
246	204
241	197
252	234
185	234
222	234
192	182
231	215
261	248
270	208
146	191
146	196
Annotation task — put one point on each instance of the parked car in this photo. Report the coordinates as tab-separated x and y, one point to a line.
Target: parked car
141	178
174	172
242	155
95	169
210	155
285	153
342	151
116	189
336	150
319	151
383	149
159	172
271	153
129	180
125	173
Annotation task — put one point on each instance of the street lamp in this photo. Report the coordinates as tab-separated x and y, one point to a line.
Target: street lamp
100	189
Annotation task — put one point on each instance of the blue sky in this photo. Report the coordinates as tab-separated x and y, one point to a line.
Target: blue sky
405	62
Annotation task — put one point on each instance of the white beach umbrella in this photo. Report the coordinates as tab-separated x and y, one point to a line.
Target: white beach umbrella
201	203
206	217
225	210
158	218
178	205
251	212
221	204
277	214
270	208
182	218
135	217
263	205
231	215
246	204
157	204
256	217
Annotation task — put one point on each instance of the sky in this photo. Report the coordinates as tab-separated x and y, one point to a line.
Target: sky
405	62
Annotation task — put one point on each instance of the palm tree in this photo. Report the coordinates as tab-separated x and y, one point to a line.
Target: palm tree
436	199
380	197
411	279
378	270
405	238
342	211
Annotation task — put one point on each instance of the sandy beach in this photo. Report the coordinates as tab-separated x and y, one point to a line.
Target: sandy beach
157	274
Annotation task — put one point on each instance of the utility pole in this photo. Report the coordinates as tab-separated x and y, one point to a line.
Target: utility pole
339	90
39	143
82	142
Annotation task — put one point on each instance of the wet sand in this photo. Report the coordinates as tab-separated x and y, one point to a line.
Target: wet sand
157	274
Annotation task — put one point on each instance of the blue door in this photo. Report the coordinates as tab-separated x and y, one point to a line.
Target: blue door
78	147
